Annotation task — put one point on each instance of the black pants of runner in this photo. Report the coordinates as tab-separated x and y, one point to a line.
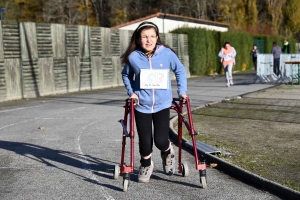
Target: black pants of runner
254	59
276	66
161	130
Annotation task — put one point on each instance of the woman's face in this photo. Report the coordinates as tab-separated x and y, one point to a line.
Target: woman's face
255	47
148	39
227	46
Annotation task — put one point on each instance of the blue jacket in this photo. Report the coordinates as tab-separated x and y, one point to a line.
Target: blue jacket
153	100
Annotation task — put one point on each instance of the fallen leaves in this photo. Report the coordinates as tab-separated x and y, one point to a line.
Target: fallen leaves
213	165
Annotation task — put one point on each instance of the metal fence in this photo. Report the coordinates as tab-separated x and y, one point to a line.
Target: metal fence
265	68
287	72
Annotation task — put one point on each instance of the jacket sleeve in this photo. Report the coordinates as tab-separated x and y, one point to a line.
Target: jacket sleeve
233	52
221	55
180	74
127	76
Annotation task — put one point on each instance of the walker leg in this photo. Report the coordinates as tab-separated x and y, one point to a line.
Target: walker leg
202	175
126	178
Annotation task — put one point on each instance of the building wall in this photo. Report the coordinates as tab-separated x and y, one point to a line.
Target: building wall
38	59
167	25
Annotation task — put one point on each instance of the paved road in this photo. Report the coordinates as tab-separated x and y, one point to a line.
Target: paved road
73	155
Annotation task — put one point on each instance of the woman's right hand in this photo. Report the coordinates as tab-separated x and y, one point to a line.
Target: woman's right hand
134	96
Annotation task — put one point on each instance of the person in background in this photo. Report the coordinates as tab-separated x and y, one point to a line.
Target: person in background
254	53
276	51
227	55
286	46
147	55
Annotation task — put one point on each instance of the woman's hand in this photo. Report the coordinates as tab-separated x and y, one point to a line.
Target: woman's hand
134	96
184	96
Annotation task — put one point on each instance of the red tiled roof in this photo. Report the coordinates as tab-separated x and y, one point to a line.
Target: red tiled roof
175	17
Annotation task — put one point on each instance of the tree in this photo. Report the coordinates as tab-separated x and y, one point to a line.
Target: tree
251	13
11	11
234	13
63	11
102	11
275	14
122	11
293	15
213	12
29	10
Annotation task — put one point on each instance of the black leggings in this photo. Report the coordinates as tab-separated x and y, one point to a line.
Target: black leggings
161	130
255	63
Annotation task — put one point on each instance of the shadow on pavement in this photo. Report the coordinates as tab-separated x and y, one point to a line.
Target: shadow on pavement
46	155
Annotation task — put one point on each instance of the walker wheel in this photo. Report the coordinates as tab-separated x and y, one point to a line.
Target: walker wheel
185	169
116	172
203	182
125	185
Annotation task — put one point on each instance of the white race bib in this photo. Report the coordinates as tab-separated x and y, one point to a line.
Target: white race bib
154	78
227	57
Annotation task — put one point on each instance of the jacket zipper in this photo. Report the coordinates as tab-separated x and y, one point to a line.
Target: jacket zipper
153	96
153	90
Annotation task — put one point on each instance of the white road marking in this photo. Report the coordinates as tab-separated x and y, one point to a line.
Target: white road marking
48	168
20	108
85	161
67	118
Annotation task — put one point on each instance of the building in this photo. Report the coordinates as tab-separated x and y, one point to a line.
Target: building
169	22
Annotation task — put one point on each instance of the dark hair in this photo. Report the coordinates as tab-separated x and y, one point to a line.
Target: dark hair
134	41
274	43
224	45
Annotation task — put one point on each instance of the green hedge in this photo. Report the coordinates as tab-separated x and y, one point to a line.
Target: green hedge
204	46
242	42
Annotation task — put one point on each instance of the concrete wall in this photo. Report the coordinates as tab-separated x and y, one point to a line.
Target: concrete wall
38	59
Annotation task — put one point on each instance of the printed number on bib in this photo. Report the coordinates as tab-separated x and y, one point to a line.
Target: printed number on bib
154	79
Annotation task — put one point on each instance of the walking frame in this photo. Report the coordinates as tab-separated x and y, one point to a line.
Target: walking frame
177	105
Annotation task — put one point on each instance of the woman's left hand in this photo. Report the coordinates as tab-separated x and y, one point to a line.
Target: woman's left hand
184	96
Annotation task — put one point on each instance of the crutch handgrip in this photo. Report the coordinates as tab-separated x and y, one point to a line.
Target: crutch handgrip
124	127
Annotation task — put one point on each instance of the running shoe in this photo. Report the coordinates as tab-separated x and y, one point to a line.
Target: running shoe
145	173
168	161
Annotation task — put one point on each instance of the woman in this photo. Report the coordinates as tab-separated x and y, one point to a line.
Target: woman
227	55
254	53
146	77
